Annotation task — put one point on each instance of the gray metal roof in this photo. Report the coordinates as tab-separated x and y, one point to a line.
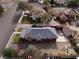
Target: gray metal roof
39	33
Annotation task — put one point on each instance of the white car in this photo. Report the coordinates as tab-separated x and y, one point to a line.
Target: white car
40	1
77	57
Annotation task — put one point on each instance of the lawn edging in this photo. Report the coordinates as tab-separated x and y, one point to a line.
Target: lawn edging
10	40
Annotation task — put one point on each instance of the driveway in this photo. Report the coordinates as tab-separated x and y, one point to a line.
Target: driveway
6	27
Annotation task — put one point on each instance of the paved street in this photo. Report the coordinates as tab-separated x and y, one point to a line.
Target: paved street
7	26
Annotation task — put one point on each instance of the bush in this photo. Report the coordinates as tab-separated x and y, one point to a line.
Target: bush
38	20
23	6
73	42
72	3
1	10
76	48
31	49
8	53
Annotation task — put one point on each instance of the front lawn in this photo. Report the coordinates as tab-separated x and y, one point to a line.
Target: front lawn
20	30
16	39
28	20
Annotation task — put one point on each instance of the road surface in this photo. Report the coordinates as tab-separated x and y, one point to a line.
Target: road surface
7	26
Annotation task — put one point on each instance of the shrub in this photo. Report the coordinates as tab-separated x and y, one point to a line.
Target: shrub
76	48
23	6
31	49
8	53
72	3
38	20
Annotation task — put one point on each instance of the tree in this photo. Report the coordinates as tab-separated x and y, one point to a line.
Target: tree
46	2
47	17
31	49
1	10
49	2
72	3
76	49
52	2
8	53
28	7
47	7
23	6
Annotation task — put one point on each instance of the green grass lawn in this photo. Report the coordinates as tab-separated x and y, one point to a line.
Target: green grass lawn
16	39
20	30
26	20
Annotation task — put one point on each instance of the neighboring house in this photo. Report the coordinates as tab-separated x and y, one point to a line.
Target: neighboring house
36	14
60	1
39	34
64	14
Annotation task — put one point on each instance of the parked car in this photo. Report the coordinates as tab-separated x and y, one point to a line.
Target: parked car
40	1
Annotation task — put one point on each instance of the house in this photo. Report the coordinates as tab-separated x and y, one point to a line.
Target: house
60	1
39	34
36	14
64	14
